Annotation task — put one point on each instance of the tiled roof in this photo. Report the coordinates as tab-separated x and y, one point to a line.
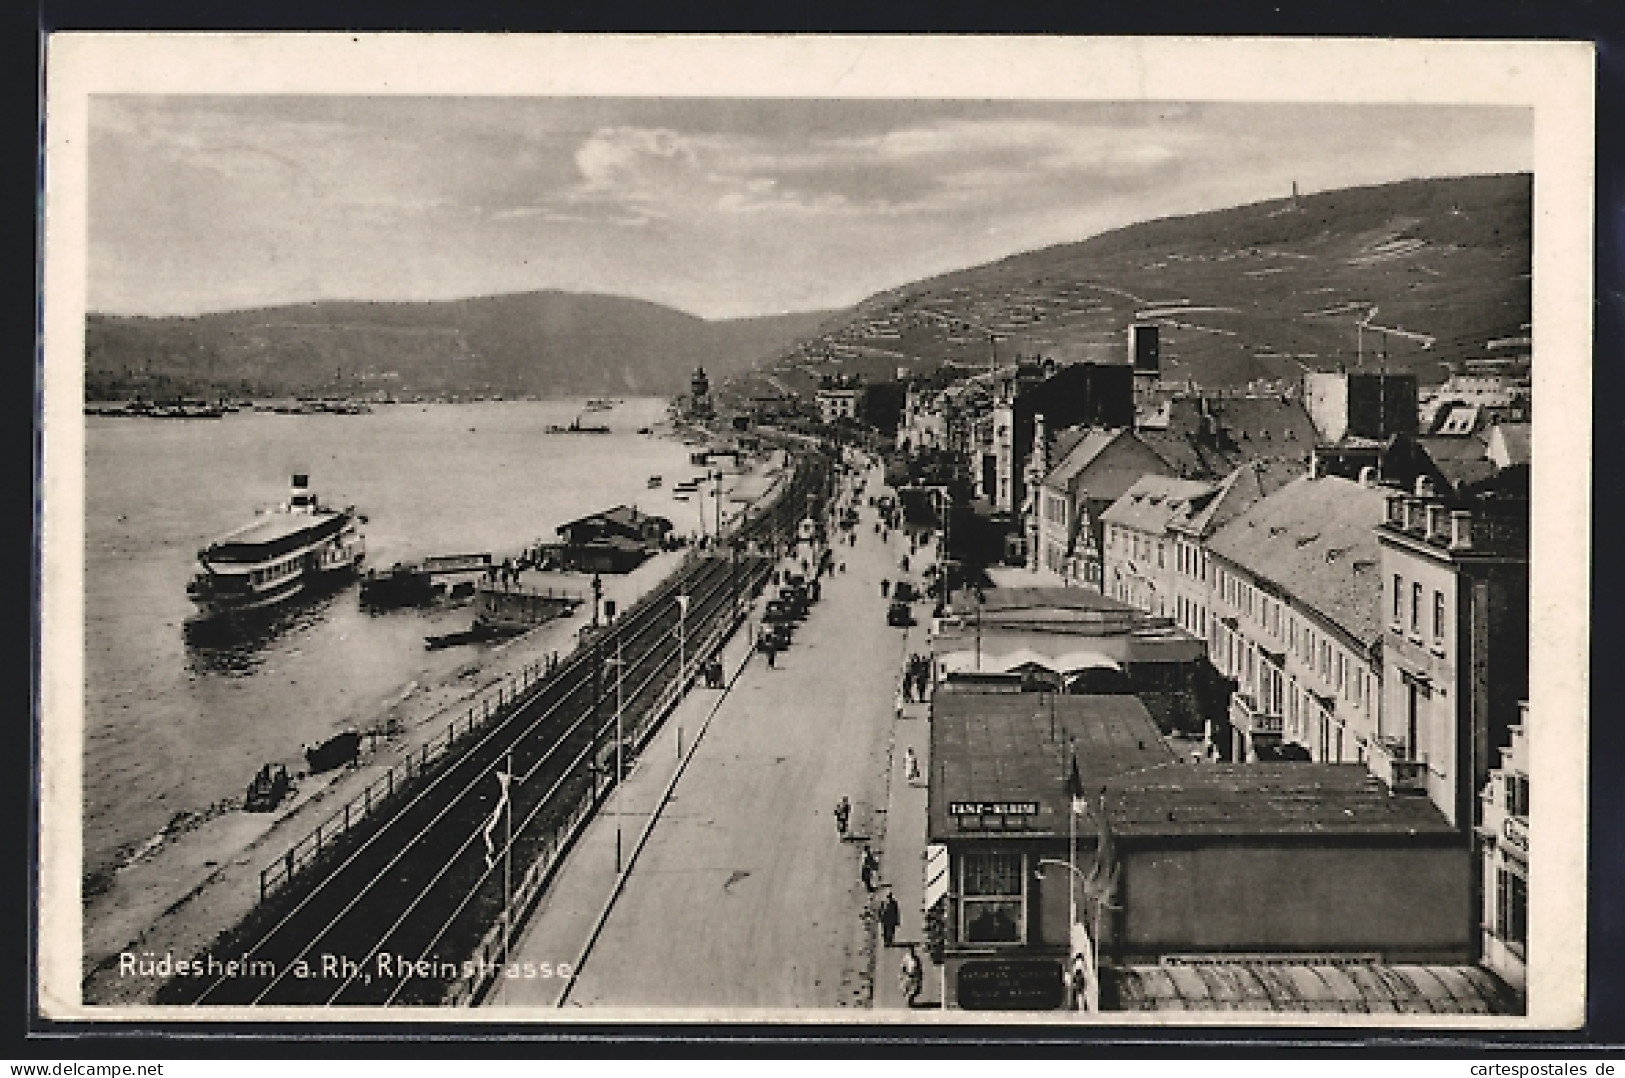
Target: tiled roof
1153	501
1315	539
1446	448
1516	438
1184	455
1261	799
1242	487
1082	454
1013	747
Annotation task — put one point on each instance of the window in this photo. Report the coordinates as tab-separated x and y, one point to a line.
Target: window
1438	617
993	904
1416	609
1325	661
1517	795
1399	599
1511	906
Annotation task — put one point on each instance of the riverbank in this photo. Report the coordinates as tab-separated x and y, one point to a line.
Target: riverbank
202	876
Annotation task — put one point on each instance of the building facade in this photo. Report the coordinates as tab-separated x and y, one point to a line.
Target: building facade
1361	404
1292	618
1140	553
1503	833
835	405
1455	642
1097	470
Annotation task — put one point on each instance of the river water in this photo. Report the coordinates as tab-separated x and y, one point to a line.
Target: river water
173	728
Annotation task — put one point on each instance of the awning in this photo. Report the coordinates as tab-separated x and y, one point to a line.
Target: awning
960	662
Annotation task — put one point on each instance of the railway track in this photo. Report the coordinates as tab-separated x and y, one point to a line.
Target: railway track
392	915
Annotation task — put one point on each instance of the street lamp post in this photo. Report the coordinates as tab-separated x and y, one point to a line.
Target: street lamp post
620	746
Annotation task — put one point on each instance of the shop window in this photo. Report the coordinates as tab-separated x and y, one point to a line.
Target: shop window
993	898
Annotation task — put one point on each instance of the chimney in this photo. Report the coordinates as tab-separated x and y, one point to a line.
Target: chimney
1461	529
1368	476
1436	518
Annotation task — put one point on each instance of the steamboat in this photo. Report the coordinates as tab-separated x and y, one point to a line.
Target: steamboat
300	547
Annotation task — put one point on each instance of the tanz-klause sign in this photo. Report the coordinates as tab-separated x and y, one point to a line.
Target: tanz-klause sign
993	808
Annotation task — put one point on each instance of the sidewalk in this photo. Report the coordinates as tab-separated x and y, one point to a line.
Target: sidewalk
563	919
902	862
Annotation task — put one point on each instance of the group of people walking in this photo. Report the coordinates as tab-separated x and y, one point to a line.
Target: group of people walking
916	678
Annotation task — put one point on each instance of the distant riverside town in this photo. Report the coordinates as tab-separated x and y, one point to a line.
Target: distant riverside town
1278	637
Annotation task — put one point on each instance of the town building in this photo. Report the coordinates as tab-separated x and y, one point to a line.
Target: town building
837	404
616	540
1360	404
1069	832
1503	832
1455	642
998	807
1077	641
1087	477
1303	860
1293	618
1140	552
1077	395
1196	522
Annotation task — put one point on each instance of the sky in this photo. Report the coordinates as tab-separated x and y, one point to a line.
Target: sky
720	207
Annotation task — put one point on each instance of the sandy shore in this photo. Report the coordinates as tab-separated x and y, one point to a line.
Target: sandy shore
203	878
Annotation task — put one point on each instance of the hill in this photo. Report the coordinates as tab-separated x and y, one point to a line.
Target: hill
1431	269
536	343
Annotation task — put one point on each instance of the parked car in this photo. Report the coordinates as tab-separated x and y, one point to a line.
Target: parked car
899	615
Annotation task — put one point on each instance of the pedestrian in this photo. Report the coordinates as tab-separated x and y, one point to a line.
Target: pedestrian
868	868
843	814
843	567
904	563
911	764
885	587
771	651
908	689
889	916
911	976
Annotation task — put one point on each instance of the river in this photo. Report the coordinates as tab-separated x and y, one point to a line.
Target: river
172	728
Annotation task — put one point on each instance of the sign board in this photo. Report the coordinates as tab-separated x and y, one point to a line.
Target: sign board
1014	985
993	808
1516	833
936	873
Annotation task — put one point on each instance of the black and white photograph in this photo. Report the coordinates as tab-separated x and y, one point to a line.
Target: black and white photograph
846	530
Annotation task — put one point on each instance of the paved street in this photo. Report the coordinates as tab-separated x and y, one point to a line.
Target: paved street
744	895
